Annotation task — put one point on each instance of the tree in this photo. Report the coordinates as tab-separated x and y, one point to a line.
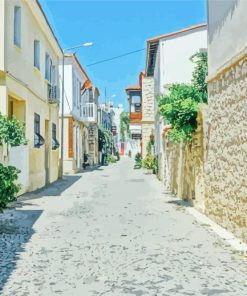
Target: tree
11	133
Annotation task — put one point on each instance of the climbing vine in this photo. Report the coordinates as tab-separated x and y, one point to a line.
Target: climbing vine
180	107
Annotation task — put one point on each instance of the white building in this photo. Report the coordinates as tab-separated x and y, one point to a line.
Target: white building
168	61
80	116
116	125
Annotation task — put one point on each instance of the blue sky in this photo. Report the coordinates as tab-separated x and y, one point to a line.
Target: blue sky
115	28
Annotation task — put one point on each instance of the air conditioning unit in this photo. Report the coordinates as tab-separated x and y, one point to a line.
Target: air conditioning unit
53	94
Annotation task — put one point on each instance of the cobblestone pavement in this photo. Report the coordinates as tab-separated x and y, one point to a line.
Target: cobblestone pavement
112	231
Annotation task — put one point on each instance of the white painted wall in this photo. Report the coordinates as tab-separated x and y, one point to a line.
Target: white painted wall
21	163
173	63
226	32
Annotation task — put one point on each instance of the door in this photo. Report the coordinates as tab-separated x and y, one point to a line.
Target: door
47	152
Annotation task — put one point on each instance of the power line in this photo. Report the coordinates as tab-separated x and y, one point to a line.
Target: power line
116	57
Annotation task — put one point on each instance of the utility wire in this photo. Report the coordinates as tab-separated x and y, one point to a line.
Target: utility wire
116	57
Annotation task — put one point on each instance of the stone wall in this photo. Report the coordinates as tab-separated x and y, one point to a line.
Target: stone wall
147	111
183	167
226	158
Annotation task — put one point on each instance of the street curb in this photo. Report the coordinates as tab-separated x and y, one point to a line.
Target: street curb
227	236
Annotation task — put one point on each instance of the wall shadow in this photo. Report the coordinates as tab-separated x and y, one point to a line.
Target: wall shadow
54	189
16	229
181	202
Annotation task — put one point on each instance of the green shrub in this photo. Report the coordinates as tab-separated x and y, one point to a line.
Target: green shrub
11	131
149	162
111	159
180	107
8	186
117	154
138	161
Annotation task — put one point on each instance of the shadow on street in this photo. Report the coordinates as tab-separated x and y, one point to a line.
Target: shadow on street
16	229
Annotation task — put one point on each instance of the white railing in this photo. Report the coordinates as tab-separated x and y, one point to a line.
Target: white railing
89	112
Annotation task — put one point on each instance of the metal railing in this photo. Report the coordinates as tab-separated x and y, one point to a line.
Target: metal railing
89	112
53	93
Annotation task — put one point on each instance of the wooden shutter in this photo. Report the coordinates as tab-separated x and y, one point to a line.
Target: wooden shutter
70	137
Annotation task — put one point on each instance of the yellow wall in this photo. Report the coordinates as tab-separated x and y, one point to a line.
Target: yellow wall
26	85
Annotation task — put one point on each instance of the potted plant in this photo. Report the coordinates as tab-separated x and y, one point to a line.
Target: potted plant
149	163
138	161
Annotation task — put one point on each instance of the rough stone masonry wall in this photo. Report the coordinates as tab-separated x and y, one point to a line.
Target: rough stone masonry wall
226	159
147	111
184	167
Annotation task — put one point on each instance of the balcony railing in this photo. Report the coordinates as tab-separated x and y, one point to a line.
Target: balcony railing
89	112
53	94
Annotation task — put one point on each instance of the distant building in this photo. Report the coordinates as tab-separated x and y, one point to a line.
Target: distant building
80	116
116	125
134	93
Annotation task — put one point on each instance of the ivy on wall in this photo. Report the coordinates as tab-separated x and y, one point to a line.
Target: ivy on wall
180	107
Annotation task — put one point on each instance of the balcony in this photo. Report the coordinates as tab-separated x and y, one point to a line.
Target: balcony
89	112
53	94
135	117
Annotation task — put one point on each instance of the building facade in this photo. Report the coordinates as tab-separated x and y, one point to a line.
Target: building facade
80	116
226	158
168	62
29	80
134	93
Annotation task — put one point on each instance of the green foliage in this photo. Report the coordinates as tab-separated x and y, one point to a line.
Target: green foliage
138	161
149	162
11	131
105	139
111	159
200	73
8	187
181	106
117	154
124	125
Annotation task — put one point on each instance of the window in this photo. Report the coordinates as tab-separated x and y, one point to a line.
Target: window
47	66
55	143
38	139
17	26
36	54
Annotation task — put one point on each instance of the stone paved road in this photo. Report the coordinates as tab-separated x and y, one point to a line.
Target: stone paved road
112	232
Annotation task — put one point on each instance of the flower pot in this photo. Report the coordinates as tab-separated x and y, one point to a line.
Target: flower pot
149	171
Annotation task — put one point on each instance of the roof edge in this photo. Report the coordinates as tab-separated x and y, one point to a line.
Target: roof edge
198	26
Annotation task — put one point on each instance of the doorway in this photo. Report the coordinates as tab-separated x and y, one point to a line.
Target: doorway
47	151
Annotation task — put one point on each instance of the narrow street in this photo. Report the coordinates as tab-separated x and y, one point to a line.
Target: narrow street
112	231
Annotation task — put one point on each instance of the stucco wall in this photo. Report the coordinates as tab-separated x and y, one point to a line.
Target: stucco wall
27	87
175	52
226	32
19	62
226	162
147	111
2	34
